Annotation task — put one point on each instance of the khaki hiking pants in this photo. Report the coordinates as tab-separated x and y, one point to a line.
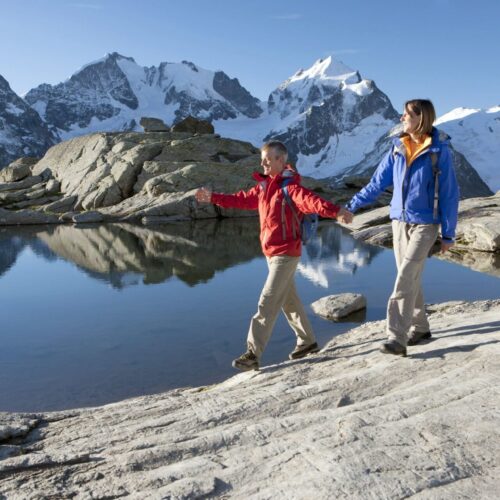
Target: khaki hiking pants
405	310
279	292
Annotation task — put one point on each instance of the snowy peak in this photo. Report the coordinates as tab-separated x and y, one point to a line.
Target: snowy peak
326	79
329	71
319	111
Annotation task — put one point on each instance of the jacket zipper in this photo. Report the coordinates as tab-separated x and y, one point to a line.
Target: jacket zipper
407	168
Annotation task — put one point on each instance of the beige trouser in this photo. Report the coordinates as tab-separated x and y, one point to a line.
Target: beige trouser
279	292
405	310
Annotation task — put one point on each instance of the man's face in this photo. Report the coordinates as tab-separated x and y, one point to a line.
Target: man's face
271	162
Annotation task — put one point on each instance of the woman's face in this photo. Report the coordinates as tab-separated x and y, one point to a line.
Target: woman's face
410	121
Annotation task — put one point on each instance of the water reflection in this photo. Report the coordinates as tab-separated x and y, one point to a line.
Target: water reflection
331	252
124	255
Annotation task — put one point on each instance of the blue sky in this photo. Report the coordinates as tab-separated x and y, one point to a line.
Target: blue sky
446	50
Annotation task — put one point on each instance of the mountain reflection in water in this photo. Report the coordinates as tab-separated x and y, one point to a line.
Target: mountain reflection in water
125	254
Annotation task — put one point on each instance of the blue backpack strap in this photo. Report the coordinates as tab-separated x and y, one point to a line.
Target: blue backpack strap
435	172
288	200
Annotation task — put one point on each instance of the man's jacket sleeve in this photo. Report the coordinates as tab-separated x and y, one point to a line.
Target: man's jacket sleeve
448	195
244	200
380	181
310	203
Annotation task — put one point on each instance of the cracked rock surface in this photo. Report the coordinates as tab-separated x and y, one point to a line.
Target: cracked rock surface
348	422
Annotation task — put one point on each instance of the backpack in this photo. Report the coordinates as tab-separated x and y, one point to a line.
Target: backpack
309	223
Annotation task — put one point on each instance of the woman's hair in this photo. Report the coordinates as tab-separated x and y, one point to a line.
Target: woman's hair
425	110
278	147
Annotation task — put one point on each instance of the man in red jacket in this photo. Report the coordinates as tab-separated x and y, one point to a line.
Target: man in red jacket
281	243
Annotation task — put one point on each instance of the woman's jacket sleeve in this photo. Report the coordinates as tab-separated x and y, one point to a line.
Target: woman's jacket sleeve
380	181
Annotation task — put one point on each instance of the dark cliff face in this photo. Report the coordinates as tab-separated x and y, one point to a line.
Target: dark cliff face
238	96
22	131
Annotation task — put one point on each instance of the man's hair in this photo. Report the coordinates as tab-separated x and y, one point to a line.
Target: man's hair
278	147
425	110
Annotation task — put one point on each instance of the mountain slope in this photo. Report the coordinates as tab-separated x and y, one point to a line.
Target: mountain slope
22	131
476	134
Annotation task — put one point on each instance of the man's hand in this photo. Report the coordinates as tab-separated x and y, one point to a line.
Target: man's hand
445	246
203	195
345	216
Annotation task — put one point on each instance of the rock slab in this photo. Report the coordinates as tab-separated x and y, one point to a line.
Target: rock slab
335	307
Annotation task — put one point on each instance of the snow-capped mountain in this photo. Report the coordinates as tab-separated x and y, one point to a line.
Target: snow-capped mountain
476	134
113	93
329	117
22	131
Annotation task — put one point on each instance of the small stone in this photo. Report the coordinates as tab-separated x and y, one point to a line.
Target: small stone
335	307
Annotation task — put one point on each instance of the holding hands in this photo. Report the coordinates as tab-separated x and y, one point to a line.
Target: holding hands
345	216
203	195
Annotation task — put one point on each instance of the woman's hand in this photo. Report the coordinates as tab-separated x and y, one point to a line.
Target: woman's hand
203	195
445	246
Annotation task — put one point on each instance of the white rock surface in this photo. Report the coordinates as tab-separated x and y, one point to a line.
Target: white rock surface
335	307
348	423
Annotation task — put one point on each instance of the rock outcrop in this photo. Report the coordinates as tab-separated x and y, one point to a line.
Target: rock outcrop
131	176
348	422
153	125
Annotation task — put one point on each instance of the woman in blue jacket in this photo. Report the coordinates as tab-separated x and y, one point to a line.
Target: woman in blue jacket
425	196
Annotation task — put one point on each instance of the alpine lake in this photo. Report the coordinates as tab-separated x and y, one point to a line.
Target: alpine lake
93	314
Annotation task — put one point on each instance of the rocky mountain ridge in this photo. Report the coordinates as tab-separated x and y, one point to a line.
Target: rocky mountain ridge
22	131
112	94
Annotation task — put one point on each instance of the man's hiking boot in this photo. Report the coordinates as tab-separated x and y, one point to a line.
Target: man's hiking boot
303	350
393	347
416	337
246	362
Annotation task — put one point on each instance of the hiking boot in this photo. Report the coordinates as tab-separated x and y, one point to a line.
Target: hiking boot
393	347
303	350
247	361
416	337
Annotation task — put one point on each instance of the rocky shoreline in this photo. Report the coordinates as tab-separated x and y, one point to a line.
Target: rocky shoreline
348	422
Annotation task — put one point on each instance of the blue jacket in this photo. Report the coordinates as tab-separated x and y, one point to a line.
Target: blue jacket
413	193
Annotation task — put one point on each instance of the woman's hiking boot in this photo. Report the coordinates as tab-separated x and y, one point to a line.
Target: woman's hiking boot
393	347
303	350
246	362
416	337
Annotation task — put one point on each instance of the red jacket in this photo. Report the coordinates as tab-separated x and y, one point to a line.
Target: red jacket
267	197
